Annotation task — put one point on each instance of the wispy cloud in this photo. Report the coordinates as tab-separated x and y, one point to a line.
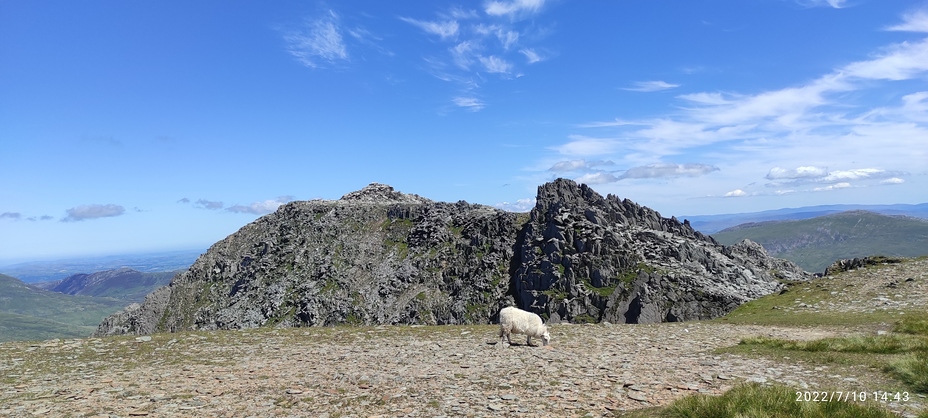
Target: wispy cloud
531	55
477	44
915	21
472	104
513	9
261	208
318	42
10	215
494	64
649	86
87	212
444	29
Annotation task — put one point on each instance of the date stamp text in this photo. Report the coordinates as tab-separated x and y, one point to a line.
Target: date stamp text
851	396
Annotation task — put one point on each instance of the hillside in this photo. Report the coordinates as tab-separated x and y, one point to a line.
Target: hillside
815	243
710	224
378	256
123	283
27	313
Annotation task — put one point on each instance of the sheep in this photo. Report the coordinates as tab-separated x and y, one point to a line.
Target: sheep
516	321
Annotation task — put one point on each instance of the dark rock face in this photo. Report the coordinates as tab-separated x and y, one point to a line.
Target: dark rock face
588	258
377	256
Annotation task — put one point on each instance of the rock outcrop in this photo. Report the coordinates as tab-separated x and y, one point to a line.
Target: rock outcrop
378	256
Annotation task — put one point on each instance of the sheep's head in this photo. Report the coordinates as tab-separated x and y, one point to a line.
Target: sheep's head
546	337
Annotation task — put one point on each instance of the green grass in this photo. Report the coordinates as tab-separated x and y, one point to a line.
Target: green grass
754	400
903	354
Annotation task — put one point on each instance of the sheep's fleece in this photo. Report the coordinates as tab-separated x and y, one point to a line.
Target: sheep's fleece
516	321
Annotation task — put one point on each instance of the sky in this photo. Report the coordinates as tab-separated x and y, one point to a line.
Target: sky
148	126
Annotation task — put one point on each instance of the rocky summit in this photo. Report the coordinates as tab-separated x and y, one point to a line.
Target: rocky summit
378	256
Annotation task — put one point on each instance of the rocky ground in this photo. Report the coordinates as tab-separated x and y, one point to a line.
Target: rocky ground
588	370
422	371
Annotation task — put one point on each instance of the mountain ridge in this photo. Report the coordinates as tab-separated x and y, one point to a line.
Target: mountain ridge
378	256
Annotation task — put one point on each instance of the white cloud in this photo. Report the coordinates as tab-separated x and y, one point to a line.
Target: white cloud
649	86
513	9
320	39
494	64
86	212
470	103
893	180
916	21
832	187
736	193
445	29
261	208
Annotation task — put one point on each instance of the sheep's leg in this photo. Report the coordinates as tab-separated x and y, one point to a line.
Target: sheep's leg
528	341
504	333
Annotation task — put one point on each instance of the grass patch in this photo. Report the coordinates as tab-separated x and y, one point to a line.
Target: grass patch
914	325
911	369
754	400
902	355
877	344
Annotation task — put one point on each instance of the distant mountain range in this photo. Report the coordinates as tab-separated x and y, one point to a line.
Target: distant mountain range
52	270
815	243
710	224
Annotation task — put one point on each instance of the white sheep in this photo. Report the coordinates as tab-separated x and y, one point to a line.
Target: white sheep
516	321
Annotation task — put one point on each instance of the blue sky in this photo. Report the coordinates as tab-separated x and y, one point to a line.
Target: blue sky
145	126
